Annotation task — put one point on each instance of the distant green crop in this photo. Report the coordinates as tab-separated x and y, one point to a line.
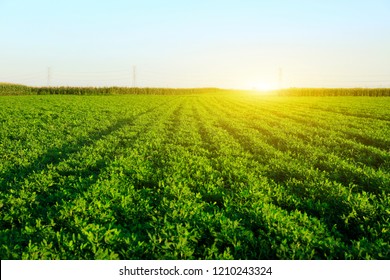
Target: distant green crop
14	89
194	176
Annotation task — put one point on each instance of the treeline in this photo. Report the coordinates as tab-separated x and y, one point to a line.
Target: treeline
14	89
334	92
11	89
119	90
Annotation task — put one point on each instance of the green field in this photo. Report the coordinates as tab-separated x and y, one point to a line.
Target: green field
195	176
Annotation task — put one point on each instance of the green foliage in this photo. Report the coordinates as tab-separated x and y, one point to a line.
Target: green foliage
193	176
13	89
334	92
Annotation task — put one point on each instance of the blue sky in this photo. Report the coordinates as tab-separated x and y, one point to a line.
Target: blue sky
231	44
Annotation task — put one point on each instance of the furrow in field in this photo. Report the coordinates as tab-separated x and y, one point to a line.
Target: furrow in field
192	177
53	139
355	107
358	130
321	157
304	182
58	193
253	189
128	186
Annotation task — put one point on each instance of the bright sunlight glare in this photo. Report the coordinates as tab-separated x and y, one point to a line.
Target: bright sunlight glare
264	86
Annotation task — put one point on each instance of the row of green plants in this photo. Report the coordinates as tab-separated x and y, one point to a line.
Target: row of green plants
334	92
336	188
193	177
15	89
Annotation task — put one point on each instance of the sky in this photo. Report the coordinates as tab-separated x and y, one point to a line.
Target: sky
250	44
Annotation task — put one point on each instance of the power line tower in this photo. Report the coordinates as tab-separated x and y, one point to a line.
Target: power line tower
134	76
280	77
49	74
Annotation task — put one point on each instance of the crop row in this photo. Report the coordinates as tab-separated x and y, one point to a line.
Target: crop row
15	89
192	177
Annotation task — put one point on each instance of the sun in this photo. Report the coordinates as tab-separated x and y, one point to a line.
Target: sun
264	86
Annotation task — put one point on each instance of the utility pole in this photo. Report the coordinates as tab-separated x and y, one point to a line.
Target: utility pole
280	78
134	76
48	76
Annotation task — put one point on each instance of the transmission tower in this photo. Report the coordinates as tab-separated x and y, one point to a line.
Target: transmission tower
134	76
280	77
48	76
